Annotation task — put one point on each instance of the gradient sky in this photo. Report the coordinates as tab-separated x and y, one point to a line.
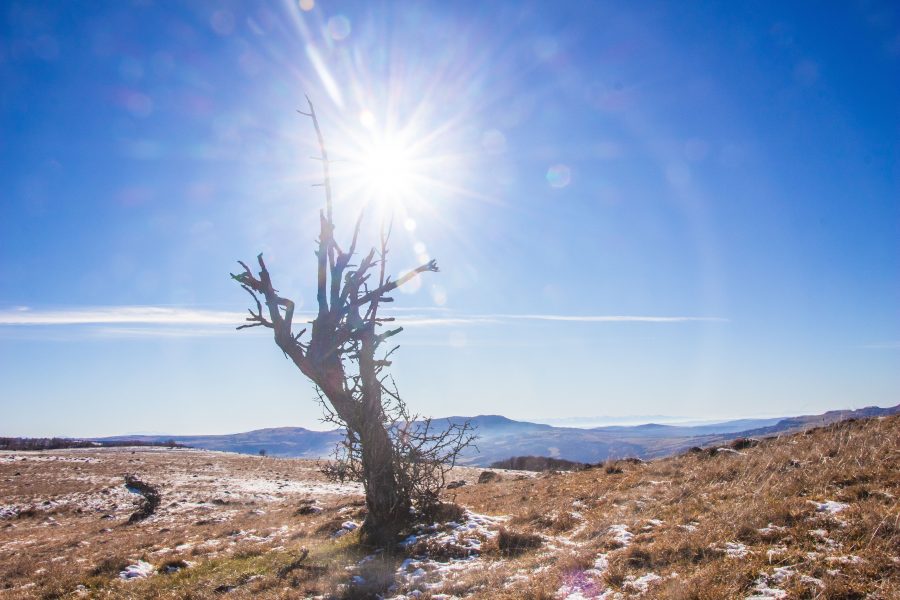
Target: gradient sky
685	209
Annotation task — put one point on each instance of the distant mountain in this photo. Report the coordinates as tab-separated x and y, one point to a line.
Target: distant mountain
294	442
501	438
832	416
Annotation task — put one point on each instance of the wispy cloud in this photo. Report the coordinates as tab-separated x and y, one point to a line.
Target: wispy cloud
444	321
146	315
168	331
165	321
883	346
612	318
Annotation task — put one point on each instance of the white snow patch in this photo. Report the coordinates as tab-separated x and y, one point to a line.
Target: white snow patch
692	526
418	575
829	506
770	529
137	570
729	451
641	584
620	534
764	591
822	535
735	549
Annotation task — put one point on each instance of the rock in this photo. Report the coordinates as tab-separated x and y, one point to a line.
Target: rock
488	477
457	484
742	443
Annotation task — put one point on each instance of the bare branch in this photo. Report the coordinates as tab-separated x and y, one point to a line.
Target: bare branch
392	285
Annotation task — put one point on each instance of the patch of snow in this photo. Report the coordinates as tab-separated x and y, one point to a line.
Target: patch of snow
620	534
780	574
829	506
692	526
6	457
641	584
812	580
735	549
764	591
770	528
418	575
137	570
822	535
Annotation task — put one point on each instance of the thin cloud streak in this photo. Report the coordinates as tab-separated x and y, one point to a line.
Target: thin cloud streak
149	315
165	321
882	346
612	318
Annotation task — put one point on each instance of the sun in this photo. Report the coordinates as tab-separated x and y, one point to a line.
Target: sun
393	167
387	171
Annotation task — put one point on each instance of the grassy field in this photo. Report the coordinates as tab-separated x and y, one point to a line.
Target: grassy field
812	515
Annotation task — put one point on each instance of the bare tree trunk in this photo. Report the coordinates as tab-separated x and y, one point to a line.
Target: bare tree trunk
388	508
344	333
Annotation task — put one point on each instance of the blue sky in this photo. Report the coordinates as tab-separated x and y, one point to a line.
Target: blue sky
638	209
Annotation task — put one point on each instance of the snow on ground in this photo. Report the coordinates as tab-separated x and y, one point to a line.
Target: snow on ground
729	451
641	584
346	527
830	507
137	570
589	583
621	534
270	487
109	500
735	549
764	591
39	456
771	529
826	543
420	574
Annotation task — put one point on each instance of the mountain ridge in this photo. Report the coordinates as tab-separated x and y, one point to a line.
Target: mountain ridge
501	438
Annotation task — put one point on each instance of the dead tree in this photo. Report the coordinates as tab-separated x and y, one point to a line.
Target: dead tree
400	459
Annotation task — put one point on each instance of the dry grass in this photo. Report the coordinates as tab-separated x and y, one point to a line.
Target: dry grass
683	512
702	525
